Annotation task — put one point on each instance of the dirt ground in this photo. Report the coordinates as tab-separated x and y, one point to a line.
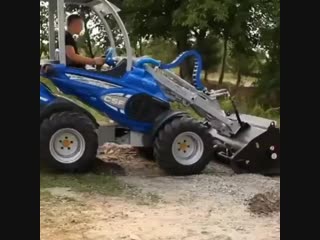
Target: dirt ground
217	205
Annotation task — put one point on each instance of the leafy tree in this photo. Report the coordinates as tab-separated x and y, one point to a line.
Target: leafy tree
267	16
209	47
44	39
154	18
243	65
197	16
160	49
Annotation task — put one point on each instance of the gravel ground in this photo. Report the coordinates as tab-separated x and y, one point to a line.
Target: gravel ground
217	205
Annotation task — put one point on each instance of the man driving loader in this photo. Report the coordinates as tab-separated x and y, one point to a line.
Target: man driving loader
73	58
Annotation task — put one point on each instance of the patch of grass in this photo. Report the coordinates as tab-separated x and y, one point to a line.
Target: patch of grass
89	183
103	184
259	111
45	196
231	78
180	107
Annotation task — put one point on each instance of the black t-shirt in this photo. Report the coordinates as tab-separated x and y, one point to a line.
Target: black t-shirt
71	42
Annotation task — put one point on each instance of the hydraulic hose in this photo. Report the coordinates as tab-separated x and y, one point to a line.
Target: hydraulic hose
197	69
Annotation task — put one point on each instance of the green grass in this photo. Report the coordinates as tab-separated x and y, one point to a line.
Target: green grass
86	183
45	196
180	107
231	78
255	110
105	185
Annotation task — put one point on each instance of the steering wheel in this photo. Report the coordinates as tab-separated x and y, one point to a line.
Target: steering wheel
110	57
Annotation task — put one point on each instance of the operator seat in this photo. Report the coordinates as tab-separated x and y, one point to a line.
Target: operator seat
118	71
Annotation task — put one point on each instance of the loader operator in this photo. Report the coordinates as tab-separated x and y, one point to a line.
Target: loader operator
74	59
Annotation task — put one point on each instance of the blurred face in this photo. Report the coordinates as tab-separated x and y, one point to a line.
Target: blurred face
76	26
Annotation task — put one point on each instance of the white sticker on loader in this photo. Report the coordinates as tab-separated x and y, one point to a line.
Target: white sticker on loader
44	99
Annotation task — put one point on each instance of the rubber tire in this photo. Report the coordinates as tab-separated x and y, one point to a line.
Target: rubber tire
165	138
84	126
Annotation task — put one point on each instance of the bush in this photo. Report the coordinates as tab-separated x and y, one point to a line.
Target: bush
253	109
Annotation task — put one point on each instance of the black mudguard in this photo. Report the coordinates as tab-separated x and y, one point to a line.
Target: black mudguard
145	108
164	118
61	105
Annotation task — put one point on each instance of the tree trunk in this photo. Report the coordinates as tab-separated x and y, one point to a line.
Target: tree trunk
41	49
87	35
186	67
224	59
206	73
140	47
239	77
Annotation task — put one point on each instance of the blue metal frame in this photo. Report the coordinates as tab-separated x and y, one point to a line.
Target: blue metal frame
97	88
46	95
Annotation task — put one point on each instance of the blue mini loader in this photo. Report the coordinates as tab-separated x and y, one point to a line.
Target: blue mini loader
136	94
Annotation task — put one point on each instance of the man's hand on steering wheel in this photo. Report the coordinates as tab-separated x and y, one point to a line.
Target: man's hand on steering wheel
99	61
110	57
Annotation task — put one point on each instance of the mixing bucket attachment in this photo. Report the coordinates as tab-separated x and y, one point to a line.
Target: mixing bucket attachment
260	155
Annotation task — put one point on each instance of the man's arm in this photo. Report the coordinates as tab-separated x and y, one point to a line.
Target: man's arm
74	57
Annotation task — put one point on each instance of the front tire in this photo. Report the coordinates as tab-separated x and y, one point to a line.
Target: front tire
68	142
183	147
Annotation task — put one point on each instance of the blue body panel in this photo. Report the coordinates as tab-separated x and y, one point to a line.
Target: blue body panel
45	95
101	91
92	87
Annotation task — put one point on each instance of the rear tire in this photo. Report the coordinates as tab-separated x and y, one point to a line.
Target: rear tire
68	142
183	147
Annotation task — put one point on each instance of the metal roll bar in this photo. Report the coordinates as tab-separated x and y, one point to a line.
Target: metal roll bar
102	8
